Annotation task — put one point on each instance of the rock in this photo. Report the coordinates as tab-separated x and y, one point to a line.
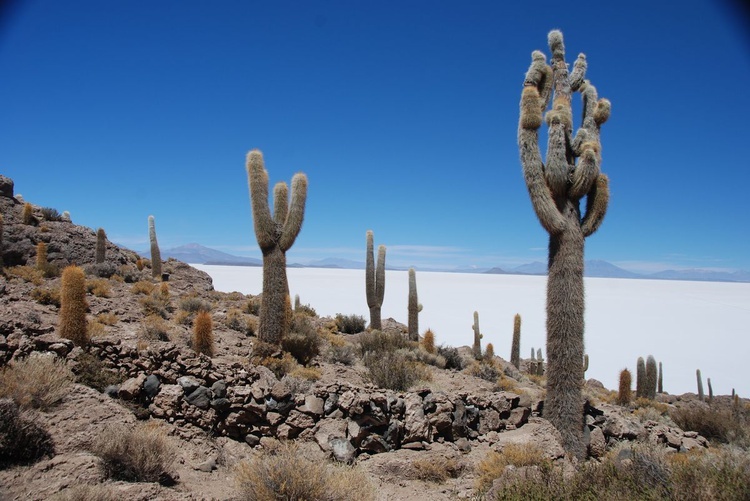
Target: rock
274	418
416	425
300	420
6	187
619	427
374	444
112	390
188	384
489	420
219	388
151	385
463	445
208	466
131	388
597	443
342	450
280	391
221	404
328	429
199	397
518	416
252	440
314	405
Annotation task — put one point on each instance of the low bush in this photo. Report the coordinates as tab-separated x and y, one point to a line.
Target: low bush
285	474
436	469
350	324
155	328
237	321
87	492
453	359
494	463
303	340
380	342
21	441
26	273
156	304
40	381
305	309
341	353
106	318
99	287
140	454
95	328
142	287
393	370
46	296
484	370
91	371
50	214
721	425
194	304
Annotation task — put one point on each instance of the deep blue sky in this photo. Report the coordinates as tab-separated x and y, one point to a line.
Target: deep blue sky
402	114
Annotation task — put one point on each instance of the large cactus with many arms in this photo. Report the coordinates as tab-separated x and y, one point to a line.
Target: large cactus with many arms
556	186
275	234
374	281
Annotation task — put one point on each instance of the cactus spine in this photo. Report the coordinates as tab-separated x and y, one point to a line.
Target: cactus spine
476	348
155	254
515	349
101	245
651	378
640	378
414	307
624	395
375	282
700	384
556	190
275	234
72	322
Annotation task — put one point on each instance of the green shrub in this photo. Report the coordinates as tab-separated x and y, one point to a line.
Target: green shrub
379	342
91	371
50	214
350	324
194	304
485	370
393	370
140	454
303	340
21	441
453	359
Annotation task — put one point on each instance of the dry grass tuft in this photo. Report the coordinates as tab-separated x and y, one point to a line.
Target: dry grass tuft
99	287
140	454
284	474
495	463
39	381
26	273
435	469
142	287
154	328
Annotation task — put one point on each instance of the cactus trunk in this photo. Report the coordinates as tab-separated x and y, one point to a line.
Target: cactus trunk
374	281
515	349
273	305
414	307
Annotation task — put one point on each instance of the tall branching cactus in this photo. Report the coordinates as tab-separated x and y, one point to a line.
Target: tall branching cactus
155	253
515	349
571	172
101	245
275	234
375	282
414	307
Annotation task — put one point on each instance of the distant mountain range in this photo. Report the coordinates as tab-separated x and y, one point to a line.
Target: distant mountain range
199	254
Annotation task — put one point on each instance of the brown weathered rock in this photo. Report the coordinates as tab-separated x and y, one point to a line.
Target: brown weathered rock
131	388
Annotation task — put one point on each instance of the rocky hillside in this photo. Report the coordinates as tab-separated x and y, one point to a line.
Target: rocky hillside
218	414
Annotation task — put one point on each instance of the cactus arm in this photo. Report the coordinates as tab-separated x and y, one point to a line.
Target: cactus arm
370	279
280	204
597	202
380	276
578	75
257	179
296	215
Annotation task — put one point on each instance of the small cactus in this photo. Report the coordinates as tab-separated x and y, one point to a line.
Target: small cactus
651	378
489	352
539	363
515	349
155	253
27	216
624	394
640	378
700	384
414	307
374	282
72	318
428	342
41	257
203	337
476	348
101	245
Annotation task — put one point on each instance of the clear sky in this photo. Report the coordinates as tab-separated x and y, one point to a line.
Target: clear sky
402	114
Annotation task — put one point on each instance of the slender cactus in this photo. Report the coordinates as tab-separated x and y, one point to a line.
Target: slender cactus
556	190
539	363
375	282
414	307
640	378
624	394
700	384
489	353
710	392
532	362
651	378
101	245
515	349
155	253
72	322
476	348
41	257
660	384
275	234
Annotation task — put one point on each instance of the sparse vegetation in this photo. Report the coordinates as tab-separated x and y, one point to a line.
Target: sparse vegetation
721	425
350	324
46	296
143	453
436	469
91	371
453	359
39	381
284	473
22	441
303	340
155	328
